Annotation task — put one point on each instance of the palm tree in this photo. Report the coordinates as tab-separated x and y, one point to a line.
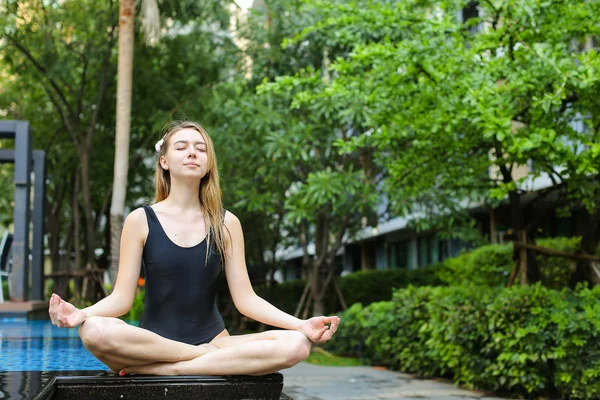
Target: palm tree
150	23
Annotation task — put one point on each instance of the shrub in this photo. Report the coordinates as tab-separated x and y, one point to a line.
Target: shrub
350	339
577	369
487	265
525	341
376	285
491	265
556	271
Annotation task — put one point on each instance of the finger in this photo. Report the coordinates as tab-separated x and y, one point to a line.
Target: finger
328	320
59	322
51	309
60	314
65	321
332	329
327	335
320	333
54	308
334	326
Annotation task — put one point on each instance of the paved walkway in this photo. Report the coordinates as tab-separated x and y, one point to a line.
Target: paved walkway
314	382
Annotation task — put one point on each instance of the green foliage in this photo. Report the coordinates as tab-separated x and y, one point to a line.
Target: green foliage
449	109
491	265
487	265
525	341
137	308
350	338
557	271
577	373
376	285
5	289
53	57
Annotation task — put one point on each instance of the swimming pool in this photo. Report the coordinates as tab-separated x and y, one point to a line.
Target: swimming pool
40	346
32	353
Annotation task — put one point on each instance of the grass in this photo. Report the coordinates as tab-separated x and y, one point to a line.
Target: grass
330	360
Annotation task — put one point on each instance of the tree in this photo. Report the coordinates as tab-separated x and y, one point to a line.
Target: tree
280	160
70	58
66	36
123	117
453	108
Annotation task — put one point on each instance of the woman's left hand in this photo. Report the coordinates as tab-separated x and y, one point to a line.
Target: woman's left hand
319	329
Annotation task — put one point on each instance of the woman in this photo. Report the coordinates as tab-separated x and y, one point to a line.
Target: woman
184	240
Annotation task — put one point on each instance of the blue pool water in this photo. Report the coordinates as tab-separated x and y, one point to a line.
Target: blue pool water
40	346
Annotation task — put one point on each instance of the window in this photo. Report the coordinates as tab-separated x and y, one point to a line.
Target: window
426	250
398	254
470	11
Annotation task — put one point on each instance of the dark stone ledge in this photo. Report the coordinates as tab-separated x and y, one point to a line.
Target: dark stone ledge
71	385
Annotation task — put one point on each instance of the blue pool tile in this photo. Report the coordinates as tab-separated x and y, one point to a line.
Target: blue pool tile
40	346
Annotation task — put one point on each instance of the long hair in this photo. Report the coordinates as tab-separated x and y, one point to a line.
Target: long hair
210	190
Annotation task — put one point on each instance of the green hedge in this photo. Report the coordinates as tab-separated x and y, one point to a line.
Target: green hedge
362	286
491	265
525	341
376	285
488	266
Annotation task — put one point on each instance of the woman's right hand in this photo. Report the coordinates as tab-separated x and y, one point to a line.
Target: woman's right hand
64	314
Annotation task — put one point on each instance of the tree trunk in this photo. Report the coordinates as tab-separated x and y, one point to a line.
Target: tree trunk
90	227
60	285
121	166
76	220
524	258
321	285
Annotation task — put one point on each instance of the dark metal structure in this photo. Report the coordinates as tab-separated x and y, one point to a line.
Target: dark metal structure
26	161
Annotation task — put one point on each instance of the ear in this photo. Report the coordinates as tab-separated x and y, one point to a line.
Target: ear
163	163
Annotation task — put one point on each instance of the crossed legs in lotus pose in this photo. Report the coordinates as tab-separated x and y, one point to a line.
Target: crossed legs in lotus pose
129	349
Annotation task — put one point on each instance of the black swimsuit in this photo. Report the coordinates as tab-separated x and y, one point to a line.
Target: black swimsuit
180	287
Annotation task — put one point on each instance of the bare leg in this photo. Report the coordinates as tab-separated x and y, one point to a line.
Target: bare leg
118	344
255	354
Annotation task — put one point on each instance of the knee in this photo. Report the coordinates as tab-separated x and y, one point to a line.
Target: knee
96	335
298	349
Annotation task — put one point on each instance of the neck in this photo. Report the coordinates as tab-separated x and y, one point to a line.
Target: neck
184	196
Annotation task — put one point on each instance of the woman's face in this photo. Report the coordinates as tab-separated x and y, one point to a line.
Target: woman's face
186	155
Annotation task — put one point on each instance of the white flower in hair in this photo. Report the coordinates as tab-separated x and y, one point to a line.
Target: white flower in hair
158	144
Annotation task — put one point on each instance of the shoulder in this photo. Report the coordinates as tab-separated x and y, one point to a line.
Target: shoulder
137	216
231	220
136	223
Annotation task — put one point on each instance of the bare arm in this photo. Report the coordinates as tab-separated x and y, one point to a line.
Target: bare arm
245	299
133	236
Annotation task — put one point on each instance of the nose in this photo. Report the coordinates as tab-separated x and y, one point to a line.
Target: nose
191	151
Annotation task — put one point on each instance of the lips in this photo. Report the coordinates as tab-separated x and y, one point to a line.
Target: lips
191	164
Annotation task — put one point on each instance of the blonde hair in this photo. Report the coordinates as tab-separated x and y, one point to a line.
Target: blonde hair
210	191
